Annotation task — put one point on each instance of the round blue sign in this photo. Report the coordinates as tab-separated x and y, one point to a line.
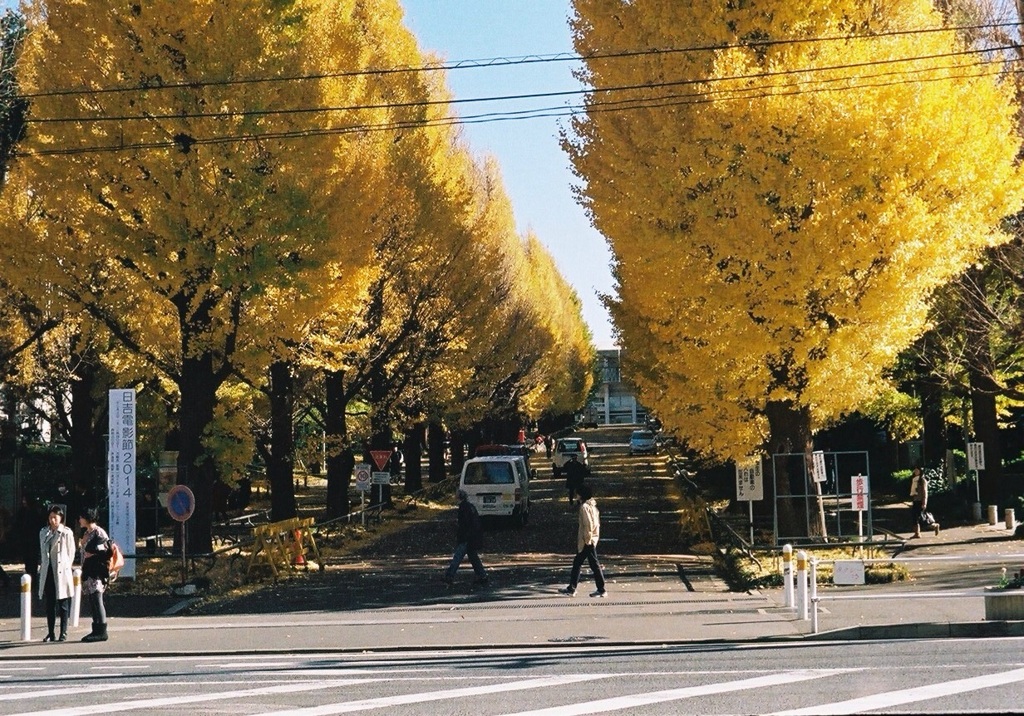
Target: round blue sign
181	503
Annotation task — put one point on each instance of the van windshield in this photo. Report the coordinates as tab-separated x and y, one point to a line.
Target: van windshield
489	473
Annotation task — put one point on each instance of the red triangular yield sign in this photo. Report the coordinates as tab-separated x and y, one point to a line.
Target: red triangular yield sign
380	458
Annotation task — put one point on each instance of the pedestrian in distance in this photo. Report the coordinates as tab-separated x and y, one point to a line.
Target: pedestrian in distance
586	544
95	546
469	540
919	503
56	583
575	474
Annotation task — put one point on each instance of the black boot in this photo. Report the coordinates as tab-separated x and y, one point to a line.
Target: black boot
100	634
92	633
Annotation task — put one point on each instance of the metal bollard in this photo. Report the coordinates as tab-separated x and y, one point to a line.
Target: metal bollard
787	576
1010	517
814	615
993	510
26	607
76	596
801	584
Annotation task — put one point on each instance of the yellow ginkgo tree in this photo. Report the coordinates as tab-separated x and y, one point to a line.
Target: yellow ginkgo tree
193	167
783	186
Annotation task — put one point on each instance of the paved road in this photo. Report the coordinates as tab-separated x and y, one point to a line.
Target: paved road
908	677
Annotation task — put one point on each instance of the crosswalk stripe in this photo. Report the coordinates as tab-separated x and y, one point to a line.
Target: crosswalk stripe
62	691
187	698
654	697
909	696
385	701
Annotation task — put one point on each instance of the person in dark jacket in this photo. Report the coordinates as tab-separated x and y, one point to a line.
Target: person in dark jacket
575	474
469	539
95	546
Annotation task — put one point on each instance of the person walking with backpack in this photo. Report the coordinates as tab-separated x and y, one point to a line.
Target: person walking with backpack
587	536
469	539
95	546
56	582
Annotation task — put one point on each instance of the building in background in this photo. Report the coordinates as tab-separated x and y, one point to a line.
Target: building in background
613	400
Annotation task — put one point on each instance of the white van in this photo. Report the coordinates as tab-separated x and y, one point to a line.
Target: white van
499	486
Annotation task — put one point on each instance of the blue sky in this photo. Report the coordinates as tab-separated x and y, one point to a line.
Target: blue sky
535	170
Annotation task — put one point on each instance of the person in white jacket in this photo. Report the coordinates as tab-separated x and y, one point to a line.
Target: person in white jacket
586	543
56	583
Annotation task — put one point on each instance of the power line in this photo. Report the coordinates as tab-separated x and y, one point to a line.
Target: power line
503	61
597	106
517	97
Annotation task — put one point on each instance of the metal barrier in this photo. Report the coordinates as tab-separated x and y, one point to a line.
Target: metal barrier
806	581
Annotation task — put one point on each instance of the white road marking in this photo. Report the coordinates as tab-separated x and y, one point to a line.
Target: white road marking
399	700
655	697
193	698
62	691
909	696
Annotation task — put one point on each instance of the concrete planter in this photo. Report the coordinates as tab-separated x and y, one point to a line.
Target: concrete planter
1004	604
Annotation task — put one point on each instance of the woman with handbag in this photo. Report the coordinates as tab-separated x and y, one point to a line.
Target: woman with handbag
95	545
56	582
919	503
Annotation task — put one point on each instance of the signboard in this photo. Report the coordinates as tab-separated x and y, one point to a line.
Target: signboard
818	473
380	478
861	494
362	473
121	473
380	458
749	481
181	503
975	456
848	571
167	474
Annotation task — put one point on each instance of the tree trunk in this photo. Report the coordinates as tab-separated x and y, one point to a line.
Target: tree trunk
930	390
435	452
87	457
981	368
196	468
281	463
790	429
413	459
340	460
986	431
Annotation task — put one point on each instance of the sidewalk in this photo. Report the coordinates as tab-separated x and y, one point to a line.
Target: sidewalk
648	603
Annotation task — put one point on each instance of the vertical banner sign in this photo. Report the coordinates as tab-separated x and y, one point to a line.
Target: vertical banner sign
860	492
749	481
121	474
975	456
819	474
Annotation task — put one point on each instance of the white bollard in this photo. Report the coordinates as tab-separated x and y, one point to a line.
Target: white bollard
814	580
787	576
1010	517
801	585
993	510
814	615
76	596
26	607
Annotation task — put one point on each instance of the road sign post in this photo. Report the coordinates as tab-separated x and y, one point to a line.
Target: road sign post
362	473
750	487
181	503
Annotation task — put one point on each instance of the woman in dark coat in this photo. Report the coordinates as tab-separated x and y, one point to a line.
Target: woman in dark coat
95	545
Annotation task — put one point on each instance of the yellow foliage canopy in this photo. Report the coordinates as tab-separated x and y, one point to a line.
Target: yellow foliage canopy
782	191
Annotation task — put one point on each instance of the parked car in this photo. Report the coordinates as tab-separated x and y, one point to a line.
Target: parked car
498	486
643	442
565	448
